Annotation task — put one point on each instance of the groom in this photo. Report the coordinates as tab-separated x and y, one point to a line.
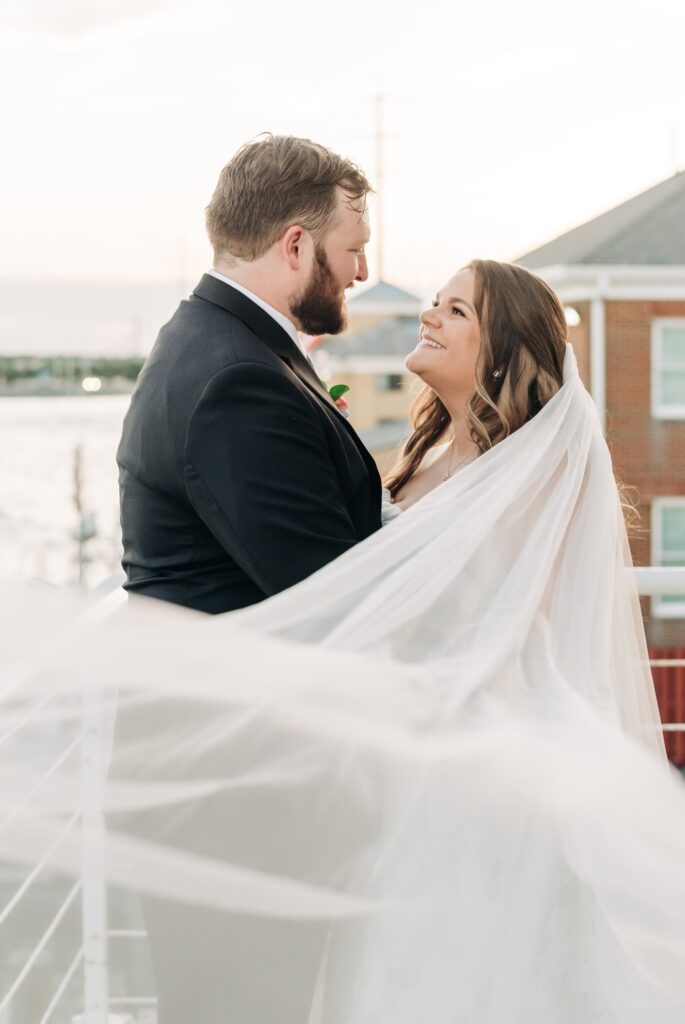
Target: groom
238	474
239	477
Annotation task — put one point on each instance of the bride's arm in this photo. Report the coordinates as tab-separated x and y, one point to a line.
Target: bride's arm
388	510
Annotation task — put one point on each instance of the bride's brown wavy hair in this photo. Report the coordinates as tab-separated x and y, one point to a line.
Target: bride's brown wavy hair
523	335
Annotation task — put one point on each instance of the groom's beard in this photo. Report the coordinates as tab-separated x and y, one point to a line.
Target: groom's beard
320	307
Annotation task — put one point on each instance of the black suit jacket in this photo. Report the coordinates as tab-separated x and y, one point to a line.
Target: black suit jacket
238	475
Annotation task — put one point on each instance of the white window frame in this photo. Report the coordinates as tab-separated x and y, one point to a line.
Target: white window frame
388	390
663	609
660	409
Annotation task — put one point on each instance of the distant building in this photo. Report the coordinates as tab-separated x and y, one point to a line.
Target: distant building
624	274
369	357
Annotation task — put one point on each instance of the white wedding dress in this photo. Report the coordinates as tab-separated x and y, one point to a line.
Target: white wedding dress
444	748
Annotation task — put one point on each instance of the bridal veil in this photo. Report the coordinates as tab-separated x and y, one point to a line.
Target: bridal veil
437	763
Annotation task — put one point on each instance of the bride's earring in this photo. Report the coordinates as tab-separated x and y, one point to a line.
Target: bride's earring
496	374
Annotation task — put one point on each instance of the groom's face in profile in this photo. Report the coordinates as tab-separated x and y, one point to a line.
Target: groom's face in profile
339	261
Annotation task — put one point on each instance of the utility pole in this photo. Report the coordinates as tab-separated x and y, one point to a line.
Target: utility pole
674	147
380	170
181	267
85	529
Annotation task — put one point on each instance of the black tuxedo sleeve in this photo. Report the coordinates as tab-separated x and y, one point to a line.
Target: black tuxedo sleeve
259	473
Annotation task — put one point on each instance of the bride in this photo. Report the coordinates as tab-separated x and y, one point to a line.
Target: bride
482	383
427	785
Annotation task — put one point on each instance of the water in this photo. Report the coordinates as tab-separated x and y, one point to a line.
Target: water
38	517
38	523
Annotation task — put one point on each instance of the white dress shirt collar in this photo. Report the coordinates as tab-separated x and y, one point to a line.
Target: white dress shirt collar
279	317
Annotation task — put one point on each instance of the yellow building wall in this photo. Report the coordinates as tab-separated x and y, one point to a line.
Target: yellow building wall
358	322
370	406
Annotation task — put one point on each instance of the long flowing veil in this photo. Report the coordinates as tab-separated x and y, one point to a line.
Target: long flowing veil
431	776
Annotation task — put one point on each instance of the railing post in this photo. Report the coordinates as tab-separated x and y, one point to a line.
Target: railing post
94	899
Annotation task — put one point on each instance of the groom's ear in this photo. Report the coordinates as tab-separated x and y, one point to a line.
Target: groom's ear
293	246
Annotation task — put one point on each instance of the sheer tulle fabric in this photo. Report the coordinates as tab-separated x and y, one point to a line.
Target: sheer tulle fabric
437	763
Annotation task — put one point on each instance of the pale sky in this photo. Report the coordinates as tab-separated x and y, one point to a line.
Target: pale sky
506	122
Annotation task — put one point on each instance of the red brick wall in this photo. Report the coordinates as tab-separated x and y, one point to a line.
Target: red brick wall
648	454
669	685
580	339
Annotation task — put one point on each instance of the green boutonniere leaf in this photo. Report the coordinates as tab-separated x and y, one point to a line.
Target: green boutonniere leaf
337	391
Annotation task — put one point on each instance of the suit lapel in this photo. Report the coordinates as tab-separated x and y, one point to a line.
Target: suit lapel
266	329
279	341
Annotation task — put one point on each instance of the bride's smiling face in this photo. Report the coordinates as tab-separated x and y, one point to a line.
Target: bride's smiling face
445	357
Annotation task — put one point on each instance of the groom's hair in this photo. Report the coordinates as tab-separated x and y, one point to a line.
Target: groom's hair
273	183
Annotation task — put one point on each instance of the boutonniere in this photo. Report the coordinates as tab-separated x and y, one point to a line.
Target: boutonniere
338	390
336	393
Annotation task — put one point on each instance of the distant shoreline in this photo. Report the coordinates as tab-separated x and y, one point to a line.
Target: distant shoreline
47	377
30	389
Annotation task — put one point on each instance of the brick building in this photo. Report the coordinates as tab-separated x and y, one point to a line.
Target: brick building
623	273
621	277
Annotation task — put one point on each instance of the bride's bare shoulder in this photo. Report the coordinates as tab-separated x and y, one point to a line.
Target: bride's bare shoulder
419	485
432	454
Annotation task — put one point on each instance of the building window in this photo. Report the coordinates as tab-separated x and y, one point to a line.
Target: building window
668	549
668	368
389	381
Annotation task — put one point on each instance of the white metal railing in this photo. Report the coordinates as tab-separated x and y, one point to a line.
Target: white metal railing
62	987
90	958
94	902
42	943
660	581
